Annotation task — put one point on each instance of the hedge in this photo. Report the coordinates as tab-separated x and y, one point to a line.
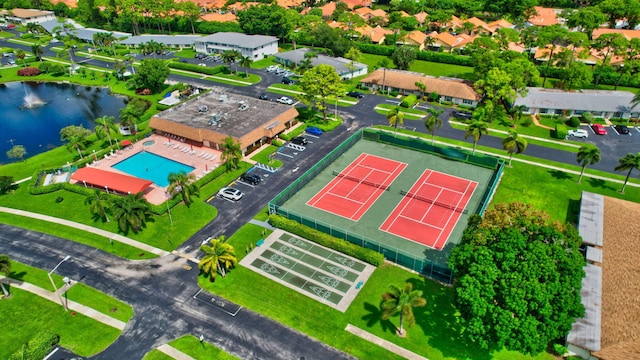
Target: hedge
409	101
444	58
196	68
560	131
369	256
38	347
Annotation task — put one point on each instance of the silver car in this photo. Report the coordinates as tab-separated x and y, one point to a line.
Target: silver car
231	193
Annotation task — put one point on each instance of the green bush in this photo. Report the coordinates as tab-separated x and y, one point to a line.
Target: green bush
560	131
409	101
559	349
38	347
276	142
527	121
444	58
573	121
587	117
345	247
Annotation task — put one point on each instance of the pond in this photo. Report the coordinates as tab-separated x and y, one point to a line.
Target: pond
32	114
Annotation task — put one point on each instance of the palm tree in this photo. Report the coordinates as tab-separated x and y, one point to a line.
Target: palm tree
231	153
21	54
587	155
183	183
422	87
106	125
246	62
5	268
433	121
514	143
129	117
635	101
229	57
37	51
219	257
131	212
384	64
475	130
395	116
628	162
402	301
98	203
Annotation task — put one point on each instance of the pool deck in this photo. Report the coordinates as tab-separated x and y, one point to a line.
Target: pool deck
174	150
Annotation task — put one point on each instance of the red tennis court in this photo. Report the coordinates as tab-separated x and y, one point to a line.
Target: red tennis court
353	190
430	210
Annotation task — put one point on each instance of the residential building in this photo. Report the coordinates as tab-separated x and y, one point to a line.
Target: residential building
218	17
543	17
414	38
447	42
25	16
345	68
179	41
600	103
626	33
257	47
455	91
208	119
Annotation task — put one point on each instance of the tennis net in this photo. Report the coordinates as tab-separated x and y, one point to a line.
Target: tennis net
434	202
361	181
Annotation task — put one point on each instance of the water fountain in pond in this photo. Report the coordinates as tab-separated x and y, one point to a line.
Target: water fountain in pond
31	100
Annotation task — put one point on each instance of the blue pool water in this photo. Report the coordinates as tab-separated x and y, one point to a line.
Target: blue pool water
152	167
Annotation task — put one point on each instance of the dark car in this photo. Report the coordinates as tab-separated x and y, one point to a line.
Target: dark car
183	60
462	114
250	178
355	94
622	129
312	130
288	81
299	140
263	97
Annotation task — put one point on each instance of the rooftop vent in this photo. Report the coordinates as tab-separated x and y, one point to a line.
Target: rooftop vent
215	120
242	105
222	98
203	108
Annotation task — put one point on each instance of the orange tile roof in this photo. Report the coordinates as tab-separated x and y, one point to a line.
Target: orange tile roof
353	3
628	34
421	17
453	41
289	3
228	17
70	3
478	23
417	37
499	24
328	9
543	17
237	6
376	34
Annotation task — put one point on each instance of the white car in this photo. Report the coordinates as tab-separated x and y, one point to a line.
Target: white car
578	133
231	193
285	100
202	64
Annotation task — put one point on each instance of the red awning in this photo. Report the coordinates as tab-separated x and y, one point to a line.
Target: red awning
125	142
124	184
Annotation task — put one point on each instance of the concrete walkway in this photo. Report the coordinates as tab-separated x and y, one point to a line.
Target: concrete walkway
383	343
174	353
71	305
87	228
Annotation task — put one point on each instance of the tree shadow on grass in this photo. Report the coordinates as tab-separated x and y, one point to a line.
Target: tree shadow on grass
560	175
440	322
374	315
599	183
18	275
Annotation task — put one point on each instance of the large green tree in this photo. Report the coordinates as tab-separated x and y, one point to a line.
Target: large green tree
231	153
131	211
514	143
318	84
76	137
151	74
17	152
105	127
518	278
496	89
403	57
402	300
628	162
587	155
5	268
268	20
586	19
218	257
184	184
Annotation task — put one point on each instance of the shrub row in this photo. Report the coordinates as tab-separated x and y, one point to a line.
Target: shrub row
366	255
38	347
196	68
409	101
444	58
561	131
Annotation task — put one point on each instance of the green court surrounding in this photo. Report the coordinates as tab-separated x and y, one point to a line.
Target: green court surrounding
325	275
292	202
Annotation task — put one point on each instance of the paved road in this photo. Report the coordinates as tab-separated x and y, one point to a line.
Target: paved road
161	292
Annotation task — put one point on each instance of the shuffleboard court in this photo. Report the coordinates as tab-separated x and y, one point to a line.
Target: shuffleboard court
352	192
323	274
430	210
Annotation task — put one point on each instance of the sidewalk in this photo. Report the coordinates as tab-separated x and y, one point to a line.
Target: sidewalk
87	228
173	352
71	305
383	343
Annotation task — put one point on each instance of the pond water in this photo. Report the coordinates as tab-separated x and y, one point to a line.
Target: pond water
32	114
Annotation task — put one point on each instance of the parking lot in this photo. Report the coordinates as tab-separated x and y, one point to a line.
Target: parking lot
613	145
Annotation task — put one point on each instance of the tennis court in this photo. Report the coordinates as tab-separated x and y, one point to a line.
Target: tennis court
430	210
320	273
353	190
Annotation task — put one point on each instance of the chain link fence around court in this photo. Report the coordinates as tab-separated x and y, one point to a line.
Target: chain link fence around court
437	271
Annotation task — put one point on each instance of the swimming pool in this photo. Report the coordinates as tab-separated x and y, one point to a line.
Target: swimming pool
152	167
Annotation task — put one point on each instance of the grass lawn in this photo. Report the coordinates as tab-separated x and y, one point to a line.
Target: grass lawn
264	157
192	346
264	63
26	314
409	113
79	292
421	66
156	355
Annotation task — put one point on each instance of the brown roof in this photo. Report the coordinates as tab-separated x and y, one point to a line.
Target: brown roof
628	34
543	17
620	337
416	37
70	3
500	24
28	13
399	79
228	17
353	3
289	3
421	17
328	9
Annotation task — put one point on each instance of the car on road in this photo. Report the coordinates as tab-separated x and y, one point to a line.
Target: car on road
272	68
202	64
299	140
599	129
355	94
285	100
622	129
230	193
462	114
287	81
578	133
263	97
312	130
250	178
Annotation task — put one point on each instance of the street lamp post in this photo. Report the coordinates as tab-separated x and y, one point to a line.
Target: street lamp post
54	284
